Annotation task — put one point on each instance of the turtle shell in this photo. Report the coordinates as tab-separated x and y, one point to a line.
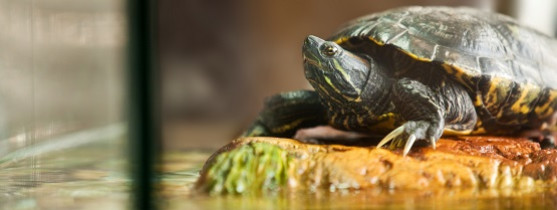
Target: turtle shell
510	69
472	41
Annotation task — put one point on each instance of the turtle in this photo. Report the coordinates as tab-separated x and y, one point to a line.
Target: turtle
416	73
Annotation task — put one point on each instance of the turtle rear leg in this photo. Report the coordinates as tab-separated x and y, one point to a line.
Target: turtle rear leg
285	113
545	135
546	138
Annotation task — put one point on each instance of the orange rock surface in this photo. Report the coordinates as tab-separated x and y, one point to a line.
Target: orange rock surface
472	161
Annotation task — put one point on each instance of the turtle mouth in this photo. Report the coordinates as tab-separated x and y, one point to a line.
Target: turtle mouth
312	62
309	70
312	66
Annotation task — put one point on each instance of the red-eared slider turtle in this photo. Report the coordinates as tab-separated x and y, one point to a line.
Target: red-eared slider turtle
415	73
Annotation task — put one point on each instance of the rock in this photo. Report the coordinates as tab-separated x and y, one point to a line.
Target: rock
260	164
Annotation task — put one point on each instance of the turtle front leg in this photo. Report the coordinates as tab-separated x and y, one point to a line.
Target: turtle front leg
285	113
417	105
427	110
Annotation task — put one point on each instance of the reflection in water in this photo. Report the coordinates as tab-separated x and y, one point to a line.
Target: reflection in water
372	198
82	169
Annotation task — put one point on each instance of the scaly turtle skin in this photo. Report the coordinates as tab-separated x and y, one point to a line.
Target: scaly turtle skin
416	73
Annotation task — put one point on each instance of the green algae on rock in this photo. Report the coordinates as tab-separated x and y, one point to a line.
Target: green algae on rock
248	168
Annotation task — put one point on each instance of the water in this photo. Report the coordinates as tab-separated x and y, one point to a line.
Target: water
88	170
84	169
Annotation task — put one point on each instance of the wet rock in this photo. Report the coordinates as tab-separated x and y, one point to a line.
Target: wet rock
261	164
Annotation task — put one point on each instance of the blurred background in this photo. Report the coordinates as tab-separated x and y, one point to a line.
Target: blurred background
220	59
63	74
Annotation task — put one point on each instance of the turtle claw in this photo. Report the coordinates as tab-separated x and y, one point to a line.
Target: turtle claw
409	143
391	136
406	135
433	142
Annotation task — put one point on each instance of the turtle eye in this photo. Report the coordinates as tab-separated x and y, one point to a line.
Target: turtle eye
330	50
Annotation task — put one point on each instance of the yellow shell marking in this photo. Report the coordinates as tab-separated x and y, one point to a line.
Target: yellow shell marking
415	57
499	88
545	110
478	101
376	41
341	40
458	73
492	93
527	95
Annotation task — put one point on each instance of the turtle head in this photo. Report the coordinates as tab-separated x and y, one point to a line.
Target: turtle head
332	70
